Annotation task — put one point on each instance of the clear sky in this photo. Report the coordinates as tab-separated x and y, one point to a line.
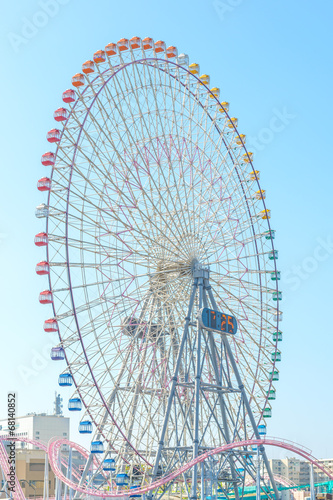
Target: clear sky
272	61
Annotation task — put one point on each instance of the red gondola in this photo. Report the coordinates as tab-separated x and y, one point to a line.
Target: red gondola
41	240
42	268
48	158
68	96
45	297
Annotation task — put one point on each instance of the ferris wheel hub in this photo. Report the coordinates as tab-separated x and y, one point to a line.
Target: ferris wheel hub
200	272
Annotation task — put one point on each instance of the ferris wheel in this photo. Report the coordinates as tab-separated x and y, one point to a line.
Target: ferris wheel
154	213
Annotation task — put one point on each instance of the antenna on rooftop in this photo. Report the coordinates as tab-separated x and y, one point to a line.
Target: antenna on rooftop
58	405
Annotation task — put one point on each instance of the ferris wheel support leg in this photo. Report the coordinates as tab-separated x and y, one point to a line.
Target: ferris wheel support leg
250	414
84	474
174	381
70	476
258	496
4	487
46	479
58	482
312	488
69	473
245	399
202	481
213	357
197	398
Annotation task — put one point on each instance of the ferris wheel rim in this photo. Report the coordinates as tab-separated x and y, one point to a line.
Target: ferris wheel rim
67	247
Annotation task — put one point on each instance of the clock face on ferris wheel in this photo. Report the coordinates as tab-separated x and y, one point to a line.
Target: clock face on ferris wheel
217	321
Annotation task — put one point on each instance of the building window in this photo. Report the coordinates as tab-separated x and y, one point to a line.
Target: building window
36	467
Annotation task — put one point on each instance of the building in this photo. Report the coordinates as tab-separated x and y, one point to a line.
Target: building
38	427
292	469
319	475
30	470
299	471
30	461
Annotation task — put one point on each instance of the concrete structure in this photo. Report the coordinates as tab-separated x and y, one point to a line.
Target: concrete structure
319	476
298	471
301	495
39	427
30	466
30	461
30	469
293	469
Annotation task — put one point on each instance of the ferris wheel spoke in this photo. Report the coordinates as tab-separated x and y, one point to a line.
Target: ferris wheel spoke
128	130
178	135
165	136
166	206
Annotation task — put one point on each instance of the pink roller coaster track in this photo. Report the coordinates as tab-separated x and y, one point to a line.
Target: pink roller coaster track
55	444
278	479
18	494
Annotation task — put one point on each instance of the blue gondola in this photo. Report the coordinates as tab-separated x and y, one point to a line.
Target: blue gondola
75	404
85	427
122	479
57	354
97	447
134	495
109	464
65	380
262	430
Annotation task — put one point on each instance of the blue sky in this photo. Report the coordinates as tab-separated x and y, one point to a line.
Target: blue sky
272	63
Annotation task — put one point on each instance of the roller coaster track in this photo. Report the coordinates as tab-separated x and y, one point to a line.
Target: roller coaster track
53	450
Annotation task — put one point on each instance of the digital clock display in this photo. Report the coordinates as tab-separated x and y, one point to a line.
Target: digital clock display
218	321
